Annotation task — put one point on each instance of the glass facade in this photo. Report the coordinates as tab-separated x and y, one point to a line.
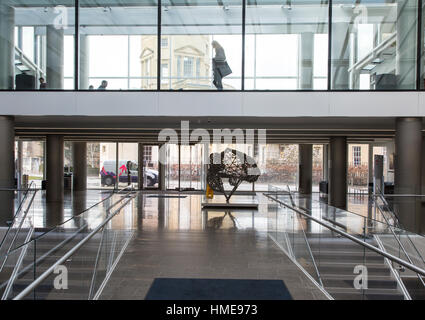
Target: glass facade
188	29
37	44
210	45
282	53
374	45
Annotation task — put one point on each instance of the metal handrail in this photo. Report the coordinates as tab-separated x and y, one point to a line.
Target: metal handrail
348	236
6	255
350	212
399	225
306	240
112	268
397	239
27	61
93	280
407	195
21	257
45	255
51	269
394	272
375	52
60	245
402	247
17	211
86	210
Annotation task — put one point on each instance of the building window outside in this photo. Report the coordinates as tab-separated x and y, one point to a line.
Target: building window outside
188	67
148	154
357	156
179	66
198	67
164	69
164	73
148	67
164	42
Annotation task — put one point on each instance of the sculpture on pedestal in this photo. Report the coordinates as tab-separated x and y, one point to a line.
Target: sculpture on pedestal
233	165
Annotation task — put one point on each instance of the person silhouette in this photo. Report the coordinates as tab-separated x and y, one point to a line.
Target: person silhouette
43	83
103	85
219	65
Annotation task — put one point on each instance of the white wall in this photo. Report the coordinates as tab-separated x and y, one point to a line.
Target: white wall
257	104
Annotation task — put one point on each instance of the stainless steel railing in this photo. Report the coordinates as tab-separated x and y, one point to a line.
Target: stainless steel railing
346	235
37	261
19	227
72	251
306	241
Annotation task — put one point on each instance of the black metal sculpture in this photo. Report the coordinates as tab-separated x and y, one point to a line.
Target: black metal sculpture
234	165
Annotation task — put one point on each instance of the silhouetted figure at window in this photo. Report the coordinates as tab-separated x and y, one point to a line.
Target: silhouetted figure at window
43	83
129	172
91	87
220	66
103	85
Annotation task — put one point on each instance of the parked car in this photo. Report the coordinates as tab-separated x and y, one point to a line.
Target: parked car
108	176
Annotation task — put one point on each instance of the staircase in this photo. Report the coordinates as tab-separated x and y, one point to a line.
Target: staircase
80	268
336	258
415	288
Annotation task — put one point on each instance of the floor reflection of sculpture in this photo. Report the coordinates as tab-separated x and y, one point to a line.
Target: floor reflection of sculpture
234	165
227	221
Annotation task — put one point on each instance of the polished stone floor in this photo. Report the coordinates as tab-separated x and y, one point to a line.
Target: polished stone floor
176	239
50	215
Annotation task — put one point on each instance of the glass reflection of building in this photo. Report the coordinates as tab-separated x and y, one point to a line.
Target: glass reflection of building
185	62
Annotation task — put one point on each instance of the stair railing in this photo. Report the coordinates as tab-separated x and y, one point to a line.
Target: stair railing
20	220
391	227
21	203
391	257
306	240
71	252
23	247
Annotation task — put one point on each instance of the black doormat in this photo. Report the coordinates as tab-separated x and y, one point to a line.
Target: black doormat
164	196
217	289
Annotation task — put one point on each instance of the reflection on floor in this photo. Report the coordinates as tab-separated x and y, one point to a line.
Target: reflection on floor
49	215
176	239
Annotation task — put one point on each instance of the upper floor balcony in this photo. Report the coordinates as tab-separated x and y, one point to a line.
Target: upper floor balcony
144	46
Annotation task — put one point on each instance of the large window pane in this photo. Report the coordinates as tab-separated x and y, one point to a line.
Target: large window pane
150	167
286	45
35	43
128	165
188	31
279	166
317	166
108	166
422	46
374	45
118	45
33	161
358	167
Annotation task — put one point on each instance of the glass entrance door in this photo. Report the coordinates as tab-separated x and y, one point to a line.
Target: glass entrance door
150	167
185	167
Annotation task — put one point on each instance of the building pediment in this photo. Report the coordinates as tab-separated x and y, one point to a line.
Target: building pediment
189	50
146	53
